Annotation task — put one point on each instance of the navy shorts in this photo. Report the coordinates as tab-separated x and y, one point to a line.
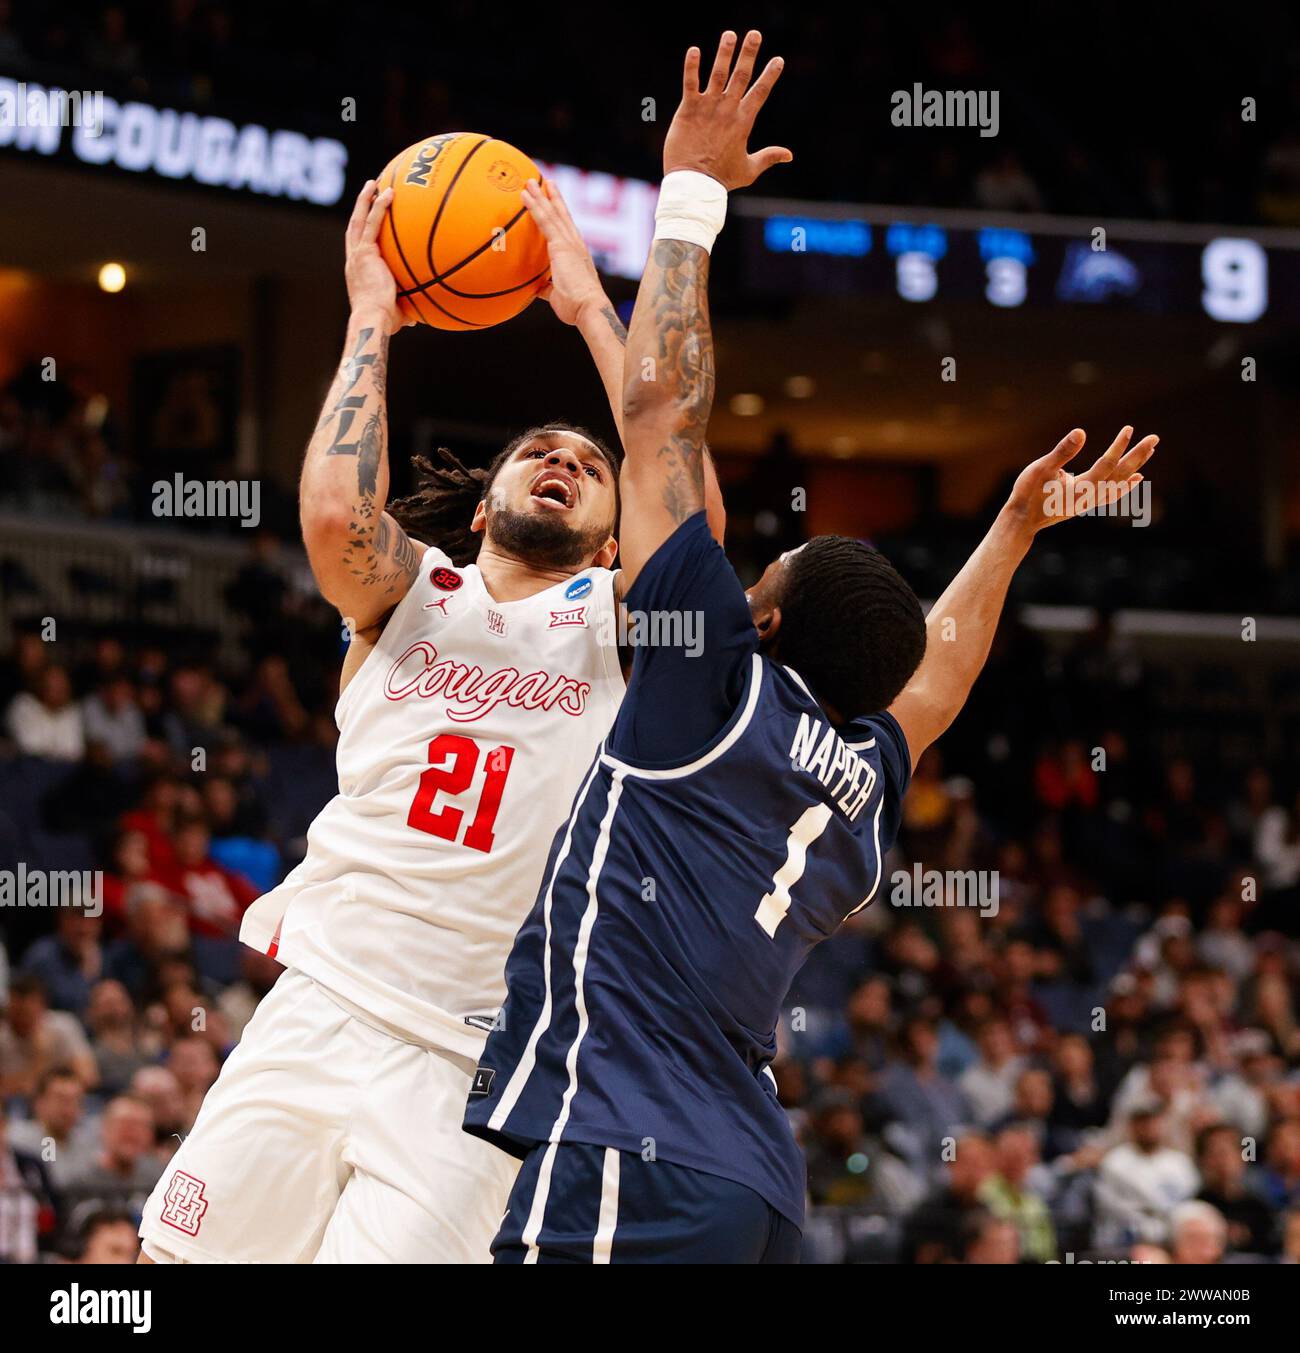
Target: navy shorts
579	1204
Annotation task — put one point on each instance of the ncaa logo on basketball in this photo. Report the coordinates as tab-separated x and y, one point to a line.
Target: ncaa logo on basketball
446	578
578	588
425	156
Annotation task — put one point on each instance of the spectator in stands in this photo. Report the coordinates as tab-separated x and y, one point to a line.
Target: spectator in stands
193	1062
987	1239
114	1035
1280	1178
130	875
1273	1008
1221	1159
1017	973
70	961
269	709
846	1167
934	1229
35	1039
1222	943
1009	1194
255	859
1199	1234
235	762
157	930
1031	1108
989	1085
59	1133
112	718
216	898
108	1236
160	1089
124	1169
1140	1181
48	723
22	672
921	1105
182	1010
1078	1101
28	1200
196	710
1065	778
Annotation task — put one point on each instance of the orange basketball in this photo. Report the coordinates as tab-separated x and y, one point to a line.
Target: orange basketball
464	250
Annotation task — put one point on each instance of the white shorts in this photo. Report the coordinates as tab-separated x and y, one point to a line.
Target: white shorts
327	1140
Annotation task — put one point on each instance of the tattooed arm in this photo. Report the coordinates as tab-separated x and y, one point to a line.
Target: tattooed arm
363	561
578	298
668	367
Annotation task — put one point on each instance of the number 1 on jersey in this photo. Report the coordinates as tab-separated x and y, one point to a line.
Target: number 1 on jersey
775	905
459	756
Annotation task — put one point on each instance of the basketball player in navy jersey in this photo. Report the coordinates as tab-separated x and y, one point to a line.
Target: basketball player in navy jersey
739	808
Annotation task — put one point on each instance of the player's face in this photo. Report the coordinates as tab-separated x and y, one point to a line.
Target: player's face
553	502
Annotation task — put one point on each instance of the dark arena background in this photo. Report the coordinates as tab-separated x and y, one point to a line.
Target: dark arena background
1085	1045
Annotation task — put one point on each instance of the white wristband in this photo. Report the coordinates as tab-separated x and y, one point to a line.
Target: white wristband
692	208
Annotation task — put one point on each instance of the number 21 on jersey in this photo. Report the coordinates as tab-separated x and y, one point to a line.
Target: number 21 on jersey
453	763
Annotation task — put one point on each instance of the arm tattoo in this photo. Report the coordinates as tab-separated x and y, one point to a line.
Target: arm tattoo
378	553
612	319
349	405
684	362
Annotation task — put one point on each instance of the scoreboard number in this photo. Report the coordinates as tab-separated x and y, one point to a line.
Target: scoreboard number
1235	273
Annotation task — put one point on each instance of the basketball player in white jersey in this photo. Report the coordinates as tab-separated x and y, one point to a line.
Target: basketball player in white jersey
473	697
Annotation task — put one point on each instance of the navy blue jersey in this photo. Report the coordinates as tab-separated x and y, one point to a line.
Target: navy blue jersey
682	896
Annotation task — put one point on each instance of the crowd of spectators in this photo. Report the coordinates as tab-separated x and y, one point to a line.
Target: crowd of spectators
1102	1058
1104	1061
1177	147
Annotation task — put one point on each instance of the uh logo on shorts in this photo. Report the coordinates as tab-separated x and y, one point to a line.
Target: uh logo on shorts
184	1203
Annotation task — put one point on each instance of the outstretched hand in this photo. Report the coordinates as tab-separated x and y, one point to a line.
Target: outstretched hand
574	283
710	130
1046	493
370	283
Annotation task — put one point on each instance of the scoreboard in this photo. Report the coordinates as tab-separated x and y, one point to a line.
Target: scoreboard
1229	278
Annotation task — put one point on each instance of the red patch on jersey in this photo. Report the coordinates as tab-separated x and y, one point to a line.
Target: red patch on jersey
576	615
446	578
184	1204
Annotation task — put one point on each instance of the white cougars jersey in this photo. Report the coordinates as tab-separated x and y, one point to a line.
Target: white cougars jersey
463	738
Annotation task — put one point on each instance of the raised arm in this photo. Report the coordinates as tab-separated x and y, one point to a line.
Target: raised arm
961	624
578	298
363	561
669	374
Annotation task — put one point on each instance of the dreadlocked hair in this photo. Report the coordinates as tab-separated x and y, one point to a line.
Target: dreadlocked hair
850	625
438	511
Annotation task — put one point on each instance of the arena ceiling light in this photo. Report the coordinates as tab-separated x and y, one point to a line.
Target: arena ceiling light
112	277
